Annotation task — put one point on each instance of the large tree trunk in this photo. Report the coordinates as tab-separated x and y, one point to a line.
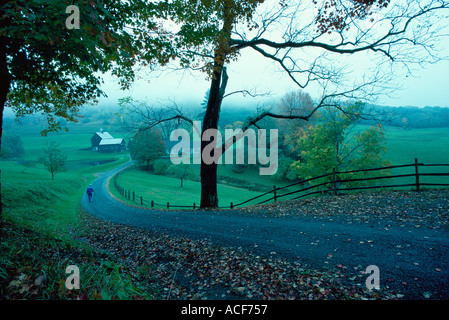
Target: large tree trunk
209	196
5	81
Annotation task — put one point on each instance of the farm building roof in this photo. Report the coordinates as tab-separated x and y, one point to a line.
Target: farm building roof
104	135
108	141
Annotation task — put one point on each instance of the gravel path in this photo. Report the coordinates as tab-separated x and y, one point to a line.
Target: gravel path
404	234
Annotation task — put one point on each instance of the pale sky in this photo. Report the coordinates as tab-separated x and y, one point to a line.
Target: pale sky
428	87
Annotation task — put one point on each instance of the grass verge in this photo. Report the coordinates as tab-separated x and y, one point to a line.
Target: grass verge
33	266
38	242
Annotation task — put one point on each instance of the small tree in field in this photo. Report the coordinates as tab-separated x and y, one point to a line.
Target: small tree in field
147	146
53	159
181	171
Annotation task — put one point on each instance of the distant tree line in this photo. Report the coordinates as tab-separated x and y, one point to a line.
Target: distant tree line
413	117
406	116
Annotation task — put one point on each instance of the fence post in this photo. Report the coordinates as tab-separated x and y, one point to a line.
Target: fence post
232	205
417	174
152	203
274	193
141	200
194	206
134	196
334	181
168	205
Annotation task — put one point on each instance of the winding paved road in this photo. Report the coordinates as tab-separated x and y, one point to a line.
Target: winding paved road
413	261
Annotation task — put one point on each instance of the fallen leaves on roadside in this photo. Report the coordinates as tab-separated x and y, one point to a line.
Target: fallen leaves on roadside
396	207
183	268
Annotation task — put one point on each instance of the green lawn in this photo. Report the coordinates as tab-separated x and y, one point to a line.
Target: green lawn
33	199
162	189
51	209
429	145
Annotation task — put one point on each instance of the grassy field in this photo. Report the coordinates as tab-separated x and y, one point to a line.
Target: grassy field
430	146
37	242
34	200
162	189
30	197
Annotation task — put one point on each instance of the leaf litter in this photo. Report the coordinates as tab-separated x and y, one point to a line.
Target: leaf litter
185	268
397	208
194	269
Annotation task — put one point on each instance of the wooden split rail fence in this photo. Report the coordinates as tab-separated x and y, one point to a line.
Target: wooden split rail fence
332	185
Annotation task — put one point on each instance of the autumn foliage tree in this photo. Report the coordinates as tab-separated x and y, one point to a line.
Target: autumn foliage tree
335	142
50	69
295	103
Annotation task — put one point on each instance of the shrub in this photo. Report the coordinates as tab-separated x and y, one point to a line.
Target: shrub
160	167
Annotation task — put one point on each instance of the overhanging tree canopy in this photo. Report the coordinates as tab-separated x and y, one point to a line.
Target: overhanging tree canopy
50	69
46	67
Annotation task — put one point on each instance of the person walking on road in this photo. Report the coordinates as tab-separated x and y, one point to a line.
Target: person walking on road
90	192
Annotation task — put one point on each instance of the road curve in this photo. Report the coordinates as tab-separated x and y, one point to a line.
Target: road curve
420	267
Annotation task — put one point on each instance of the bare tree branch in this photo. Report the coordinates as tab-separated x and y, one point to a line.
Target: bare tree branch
402	35
348	47
245	93
138	116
